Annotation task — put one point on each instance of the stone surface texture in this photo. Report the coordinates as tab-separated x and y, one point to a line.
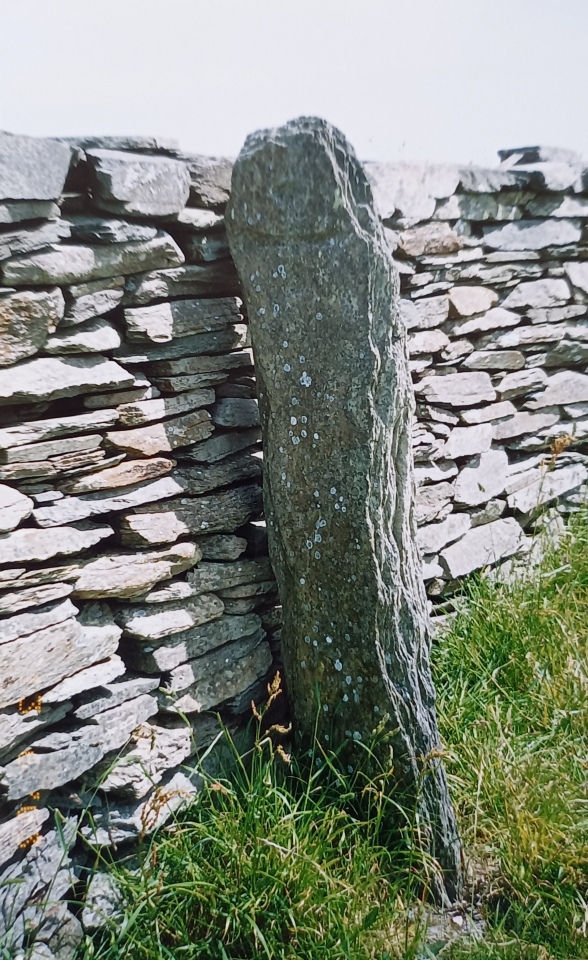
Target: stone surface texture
316	271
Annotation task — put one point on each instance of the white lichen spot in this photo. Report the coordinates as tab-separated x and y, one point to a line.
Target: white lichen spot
282	271
293	421
345	698
284	344
302	359
317	554
338	665
337	506
287	368
295	441
294	401
303	434
315	643
318	538
276	309
261	312
348	681
318	316
302	581
356	735
315	436
309	544
303	664
316	493
325	710
305	380
307	639
333	490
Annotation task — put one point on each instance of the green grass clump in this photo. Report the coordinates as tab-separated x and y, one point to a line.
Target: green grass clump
275	861
512	684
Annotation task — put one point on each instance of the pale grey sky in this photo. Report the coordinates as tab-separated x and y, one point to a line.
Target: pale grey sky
439	80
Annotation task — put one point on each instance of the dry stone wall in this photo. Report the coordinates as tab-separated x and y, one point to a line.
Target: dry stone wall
136	594
135	591
494	285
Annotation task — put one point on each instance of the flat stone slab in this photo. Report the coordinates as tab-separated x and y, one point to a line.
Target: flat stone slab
495	319
125	575
129	183
204	668
35	545
521	383
159	657
48	378
529	235
219	576
549	292
483	546
190	347
98	674
147	411
15	832
564	387
494	411
466	301
41	659
17	600
222	512
410	190
26	320
483	478
79	264
14	507
83	301
17	211
36	430
125	474
467	441
547	487
32	168
457	389
210	180
434	536
94	336
432	501
32	621
93	229
161	620
494	360
66	756
222	685
70	509
192	280
163	437
181	318
112	695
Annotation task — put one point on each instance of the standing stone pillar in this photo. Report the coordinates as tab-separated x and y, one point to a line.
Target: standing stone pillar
336	403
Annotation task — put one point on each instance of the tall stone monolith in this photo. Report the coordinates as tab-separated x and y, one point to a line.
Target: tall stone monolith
336	405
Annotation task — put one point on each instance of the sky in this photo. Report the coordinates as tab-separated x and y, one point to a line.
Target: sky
437	80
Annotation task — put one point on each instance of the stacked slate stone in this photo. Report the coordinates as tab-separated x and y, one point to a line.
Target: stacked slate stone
494	286
136	596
